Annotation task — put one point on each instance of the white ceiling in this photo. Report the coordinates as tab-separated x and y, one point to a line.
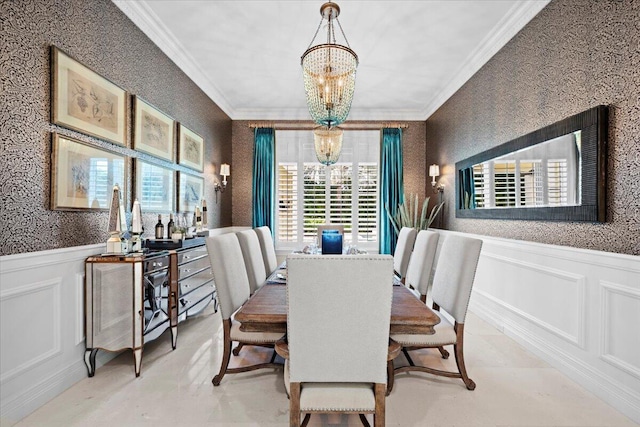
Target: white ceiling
245	55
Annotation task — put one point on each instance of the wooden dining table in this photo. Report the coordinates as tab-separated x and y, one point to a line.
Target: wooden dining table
266	311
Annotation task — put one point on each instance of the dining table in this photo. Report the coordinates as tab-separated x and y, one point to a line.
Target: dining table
266	310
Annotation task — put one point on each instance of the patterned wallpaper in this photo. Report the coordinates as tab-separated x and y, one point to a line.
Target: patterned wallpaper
413	146
100	36
573	56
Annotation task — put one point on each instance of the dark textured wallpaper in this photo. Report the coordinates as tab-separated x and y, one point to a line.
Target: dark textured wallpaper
573	56
100	36
413	146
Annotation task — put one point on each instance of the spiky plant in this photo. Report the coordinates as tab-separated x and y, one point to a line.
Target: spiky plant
407	214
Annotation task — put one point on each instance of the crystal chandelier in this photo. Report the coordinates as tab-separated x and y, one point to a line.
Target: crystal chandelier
329	71
328	144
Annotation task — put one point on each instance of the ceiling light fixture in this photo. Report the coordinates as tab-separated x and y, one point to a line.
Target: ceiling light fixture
329	71
328	144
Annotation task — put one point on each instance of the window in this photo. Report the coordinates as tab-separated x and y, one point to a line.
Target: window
309	193
504	183
531	189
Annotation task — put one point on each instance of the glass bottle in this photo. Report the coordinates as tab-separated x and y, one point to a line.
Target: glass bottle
159	228
170	226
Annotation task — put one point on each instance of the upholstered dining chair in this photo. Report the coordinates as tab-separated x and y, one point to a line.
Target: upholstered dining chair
232	285
421	263
323	227
452	284
402	254
268	249
252	255
337	358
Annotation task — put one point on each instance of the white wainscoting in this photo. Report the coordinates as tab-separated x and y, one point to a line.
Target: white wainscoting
577	309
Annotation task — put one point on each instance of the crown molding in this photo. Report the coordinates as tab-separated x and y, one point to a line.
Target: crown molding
149	23
515	20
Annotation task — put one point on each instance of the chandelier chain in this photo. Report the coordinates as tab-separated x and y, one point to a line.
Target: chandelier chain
315	35
343	34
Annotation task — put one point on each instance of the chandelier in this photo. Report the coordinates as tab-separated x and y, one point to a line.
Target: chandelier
328	144
329	71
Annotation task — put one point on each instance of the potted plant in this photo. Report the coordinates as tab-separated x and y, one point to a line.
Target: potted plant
407	214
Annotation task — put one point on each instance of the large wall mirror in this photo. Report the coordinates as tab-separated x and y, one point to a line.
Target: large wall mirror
556	173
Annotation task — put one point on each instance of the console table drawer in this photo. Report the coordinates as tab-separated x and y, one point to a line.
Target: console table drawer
190	268
195	281
193	254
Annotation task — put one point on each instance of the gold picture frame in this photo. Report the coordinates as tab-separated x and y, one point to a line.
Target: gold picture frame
85	101
190	192
191	149
153	131
83	175
154	187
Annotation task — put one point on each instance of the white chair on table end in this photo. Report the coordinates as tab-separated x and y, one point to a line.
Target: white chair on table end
402	253
337	359
232	285
421	262
268	249
452	284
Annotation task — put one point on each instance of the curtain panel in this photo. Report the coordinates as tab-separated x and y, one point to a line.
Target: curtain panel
391	186
263	203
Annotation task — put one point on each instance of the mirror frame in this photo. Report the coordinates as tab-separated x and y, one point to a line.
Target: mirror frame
594	126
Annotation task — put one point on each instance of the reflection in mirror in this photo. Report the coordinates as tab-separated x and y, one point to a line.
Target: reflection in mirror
546	174
554	173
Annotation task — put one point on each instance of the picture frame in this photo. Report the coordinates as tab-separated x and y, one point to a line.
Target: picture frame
153	131
83	175
154	187
191	149
190	191
84	101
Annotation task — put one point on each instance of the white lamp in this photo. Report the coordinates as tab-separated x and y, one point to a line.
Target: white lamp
434	171
225	171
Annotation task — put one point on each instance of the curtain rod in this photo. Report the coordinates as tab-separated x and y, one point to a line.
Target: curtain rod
311	126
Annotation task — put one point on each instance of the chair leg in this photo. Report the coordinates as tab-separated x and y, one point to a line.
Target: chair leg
294	405
226	326
364	420
459	352
443	352
390	376
379	415
305	420
236	351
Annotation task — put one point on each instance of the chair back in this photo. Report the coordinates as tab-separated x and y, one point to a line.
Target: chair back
253	261
337	332
323	227
455	272
404	246
268	249
421	262
229	273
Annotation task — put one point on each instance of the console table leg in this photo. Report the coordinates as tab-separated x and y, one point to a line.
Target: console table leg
174	336
137	357
90	360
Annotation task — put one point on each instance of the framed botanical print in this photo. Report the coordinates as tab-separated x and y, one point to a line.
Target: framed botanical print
83	176
190	192
191	149
84	101
153	131
154	187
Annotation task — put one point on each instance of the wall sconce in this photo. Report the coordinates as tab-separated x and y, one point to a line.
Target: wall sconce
434	171
225	171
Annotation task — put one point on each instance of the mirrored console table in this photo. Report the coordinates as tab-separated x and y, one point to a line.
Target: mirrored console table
132	299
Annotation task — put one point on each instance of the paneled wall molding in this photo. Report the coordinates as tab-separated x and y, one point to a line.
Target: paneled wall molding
608	289
30	260
23	292
597	294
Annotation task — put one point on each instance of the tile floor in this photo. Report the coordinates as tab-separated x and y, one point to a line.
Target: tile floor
514	388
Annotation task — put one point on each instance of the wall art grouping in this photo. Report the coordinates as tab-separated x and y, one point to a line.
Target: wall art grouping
83	175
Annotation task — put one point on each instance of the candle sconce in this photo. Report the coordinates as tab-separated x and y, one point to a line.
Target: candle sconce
225	171
434	171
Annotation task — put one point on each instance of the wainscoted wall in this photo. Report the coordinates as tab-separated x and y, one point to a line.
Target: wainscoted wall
413	146
100	36
573	56
577	309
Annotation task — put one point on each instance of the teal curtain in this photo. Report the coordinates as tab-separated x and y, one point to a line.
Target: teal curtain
264	177
467	189
391	187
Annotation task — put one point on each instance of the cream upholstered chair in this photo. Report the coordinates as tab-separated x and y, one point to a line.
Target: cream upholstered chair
268	249
452	284
337	357
421	262
323	227
232	285
402	254
253	261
